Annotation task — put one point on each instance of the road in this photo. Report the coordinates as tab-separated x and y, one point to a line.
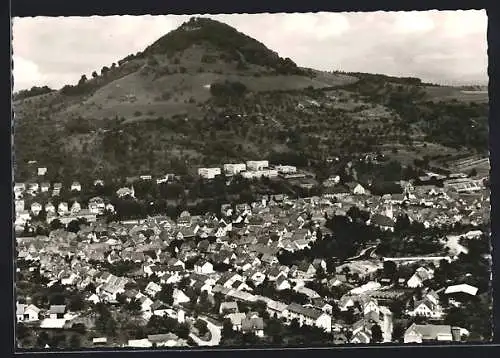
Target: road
215	333
366	254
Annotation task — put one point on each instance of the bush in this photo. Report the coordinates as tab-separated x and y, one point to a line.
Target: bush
228	89
137	113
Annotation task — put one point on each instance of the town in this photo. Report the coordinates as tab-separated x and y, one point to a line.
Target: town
252	254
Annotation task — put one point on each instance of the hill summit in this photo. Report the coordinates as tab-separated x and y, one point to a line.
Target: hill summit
234	45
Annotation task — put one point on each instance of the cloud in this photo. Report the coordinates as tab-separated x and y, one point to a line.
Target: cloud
441	46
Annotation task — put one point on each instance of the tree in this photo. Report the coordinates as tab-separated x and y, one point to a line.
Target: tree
201	326
376	334
56	224
79	328
94	74
73	226
390	269
110	327
227	329
76	303
398	332
74	341
166	294
134	307
82	80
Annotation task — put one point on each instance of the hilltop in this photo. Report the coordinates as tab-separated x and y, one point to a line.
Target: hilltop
206	93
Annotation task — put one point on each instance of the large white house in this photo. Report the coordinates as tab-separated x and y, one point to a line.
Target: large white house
308	316
427	333
27	313
419	277
256	165
209	173
233	169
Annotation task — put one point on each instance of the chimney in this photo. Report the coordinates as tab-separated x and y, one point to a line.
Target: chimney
455	333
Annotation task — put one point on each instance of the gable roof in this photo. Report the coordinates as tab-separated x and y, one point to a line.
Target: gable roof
304	311
462	288
430	331
57	309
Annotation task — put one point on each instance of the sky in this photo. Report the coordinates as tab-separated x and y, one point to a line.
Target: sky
445	47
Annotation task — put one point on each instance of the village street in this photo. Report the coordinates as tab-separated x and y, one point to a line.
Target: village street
215	334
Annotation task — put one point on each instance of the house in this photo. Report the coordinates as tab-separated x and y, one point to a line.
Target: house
426	308
269	259
99	182
253	324
317	263
382	221
308	316
356	189
431	333
322	305
44	187
36	208
180	297
305	270
361	337
463	288
99	341
282	283
62	209
209	173
27	313
236	320
124	192
19	205
163	340
256	276
233	169
203	267
159	308
75	208
257	165
152	289
419	277
146	303
50	208
228	308
41	171
275	308
76	186
57	311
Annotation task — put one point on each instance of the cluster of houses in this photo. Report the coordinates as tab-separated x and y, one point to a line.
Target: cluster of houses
252	169
64	212
245	240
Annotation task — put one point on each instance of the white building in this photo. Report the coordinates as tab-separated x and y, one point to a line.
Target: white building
308	316
286	169
36	208
19	205
62	208
257	165
233	169
75	186
42	171
27	313
257	174
204	268
209	173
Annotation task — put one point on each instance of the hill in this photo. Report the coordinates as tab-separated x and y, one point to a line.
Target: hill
205	93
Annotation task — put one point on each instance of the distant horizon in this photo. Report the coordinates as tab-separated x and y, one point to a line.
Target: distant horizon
432	45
